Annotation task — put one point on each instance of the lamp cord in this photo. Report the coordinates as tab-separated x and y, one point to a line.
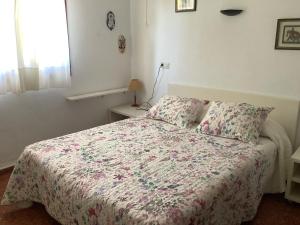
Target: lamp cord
147	105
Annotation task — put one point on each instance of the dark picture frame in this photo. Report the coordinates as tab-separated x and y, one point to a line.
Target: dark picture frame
185	5
288	34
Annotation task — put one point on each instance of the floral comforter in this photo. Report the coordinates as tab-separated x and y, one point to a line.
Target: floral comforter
142	171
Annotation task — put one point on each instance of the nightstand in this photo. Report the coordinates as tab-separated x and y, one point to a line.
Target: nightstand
293	186
124	112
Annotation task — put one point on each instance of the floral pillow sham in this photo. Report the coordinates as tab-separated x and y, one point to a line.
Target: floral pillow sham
180	111
231	120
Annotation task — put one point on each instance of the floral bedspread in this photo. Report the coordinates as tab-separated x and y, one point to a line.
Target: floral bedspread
142	171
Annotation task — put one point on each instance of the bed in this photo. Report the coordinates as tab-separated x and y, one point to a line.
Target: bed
143	171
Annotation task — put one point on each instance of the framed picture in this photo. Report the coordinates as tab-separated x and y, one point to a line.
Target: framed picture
185	5
288	34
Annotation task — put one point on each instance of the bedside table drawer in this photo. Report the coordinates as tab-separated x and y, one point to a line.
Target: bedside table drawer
293	184
294	192
296	173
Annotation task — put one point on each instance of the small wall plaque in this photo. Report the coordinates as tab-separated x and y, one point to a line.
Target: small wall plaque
122	43
111	20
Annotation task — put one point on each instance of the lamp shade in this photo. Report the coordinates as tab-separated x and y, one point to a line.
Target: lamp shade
135	85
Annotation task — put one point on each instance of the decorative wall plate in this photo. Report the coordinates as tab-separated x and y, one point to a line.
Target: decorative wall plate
122	43
111	20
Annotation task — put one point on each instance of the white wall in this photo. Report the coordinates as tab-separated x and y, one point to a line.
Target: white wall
96	65
206	48
96	61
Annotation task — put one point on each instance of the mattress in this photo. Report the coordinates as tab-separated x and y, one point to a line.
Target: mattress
142	171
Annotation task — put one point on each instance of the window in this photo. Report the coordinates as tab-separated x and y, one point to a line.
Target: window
34	45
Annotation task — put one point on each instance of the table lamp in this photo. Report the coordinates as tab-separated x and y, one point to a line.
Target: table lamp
134	86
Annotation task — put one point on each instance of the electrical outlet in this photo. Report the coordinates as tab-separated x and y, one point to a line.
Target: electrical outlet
165	66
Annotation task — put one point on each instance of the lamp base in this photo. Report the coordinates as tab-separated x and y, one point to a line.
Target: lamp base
135	103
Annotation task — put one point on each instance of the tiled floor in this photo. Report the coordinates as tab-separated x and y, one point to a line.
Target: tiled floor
274	210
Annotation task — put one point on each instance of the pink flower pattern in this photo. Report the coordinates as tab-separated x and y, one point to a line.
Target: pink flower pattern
238	121
141	172
180	111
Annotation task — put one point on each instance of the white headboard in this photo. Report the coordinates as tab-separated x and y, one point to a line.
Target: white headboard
286	110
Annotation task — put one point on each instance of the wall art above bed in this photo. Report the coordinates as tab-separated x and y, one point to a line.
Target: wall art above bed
288	34
185	5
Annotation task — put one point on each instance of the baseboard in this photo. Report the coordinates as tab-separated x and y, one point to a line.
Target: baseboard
5	166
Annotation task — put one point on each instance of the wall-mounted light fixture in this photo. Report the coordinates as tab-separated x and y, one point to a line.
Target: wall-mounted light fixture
231	12
231	7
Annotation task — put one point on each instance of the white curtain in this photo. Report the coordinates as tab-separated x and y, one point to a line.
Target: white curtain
34	50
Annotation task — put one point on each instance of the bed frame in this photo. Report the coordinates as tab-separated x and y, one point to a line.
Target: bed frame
286	110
